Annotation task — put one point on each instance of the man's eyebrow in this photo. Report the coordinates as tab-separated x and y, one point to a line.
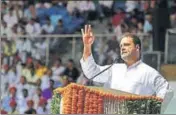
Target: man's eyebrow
125	44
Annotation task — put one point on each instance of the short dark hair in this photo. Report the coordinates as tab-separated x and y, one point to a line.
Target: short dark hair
5	3
70	60
135	38
59	60
60	21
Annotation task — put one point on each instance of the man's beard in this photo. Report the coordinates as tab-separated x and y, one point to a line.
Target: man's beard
125	56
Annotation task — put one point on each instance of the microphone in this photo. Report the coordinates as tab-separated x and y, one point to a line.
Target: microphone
91	79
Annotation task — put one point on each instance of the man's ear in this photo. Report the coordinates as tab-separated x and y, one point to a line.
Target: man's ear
137	47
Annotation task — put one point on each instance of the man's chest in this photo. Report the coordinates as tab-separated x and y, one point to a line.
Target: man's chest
132	80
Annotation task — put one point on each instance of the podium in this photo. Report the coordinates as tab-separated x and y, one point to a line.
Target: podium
79	99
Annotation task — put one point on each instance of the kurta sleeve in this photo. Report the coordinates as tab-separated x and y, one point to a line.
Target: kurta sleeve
162	89
90	69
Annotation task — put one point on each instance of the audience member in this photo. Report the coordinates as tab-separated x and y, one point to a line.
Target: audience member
30	109
71	71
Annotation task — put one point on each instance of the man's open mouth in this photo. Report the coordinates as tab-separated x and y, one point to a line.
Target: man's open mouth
124	52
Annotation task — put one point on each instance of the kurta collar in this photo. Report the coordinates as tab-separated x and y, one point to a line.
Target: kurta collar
135	64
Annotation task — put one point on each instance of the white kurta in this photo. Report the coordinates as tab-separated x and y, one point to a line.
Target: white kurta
139	78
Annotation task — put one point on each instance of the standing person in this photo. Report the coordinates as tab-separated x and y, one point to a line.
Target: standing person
71	71
132	76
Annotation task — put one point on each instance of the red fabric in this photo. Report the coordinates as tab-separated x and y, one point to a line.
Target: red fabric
146	5
29	60
6	67
12	89
42	101
12	103
116	19
17	58
3	112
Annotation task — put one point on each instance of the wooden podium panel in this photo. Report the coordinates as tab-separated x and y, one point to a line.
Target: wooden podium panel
112	91
169	71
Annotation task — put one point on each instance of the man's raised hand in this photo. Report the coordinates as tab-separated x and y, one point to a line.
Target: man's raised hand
87	35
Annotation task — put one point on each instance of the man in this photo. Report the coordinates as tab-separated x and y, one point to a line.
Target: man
71	71
133	76
13	106
42	106
6	100
22	102
30	110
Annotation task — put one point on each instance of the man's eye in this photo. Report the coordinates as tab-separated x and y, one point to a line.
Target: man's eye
127	45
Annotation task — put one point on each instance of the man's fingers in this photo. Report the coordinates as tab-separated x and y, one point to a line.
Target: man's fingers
85	29
82	31
91	34
89	29
93	37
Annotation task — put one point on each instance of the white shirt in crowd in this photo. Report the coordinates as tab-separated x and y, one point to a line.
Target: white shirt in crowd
107	3
10	20
45	82
5	30
139	78
18	69
12	78
57	71
130	5
40	110
23	45
22	104
48	28
72	5
34	29
4	83
86	6
20	88
41	48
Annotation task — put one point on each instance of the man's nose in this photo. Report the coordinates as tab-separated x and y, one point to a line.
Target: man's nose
122	48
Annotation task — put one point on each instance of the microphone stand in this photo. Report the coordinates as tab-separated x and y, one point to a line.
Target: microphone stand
90	83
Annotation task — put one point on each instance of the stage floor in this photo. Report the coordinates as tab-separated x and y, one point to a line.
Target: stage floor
171	107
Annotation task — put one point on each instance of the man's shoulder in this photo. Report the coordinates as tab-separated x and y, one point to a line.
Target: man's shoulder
120	65
148	68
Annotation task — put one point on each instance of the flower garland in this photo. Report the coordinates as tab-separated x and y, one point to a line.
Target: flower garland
79	99
55	103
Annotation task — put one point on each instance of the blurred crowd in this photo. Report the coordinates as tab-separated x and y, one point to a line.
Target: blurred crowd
28	87
27	84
